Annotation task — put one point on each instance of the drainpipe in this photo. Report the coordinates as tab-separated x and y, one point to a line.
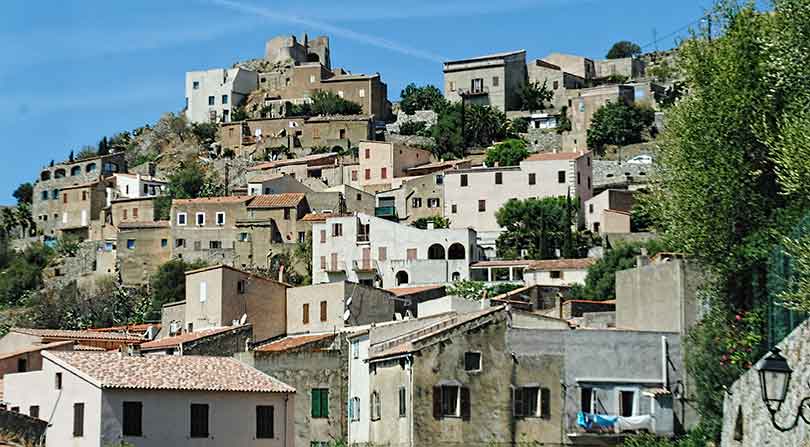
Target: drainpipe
286	426
410	407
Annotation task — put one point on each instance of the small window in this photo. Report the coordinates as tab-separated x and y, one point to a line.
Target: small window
244	237
384	173
472	361
627	400
589	182
464	180
579	178
264	422
134	213
323	236
368	153
446	401
84	196
433	202
439	179
195	85
200	219
556	85
305	307
323	310
362	93
532	179
367	174
359	197
354	175
531	402
286	214
241	286
375	406
402	397
133	419
354	409
164	243
181	218
590	208
22	365
311	79
410	254
78	420
58	381
302	236
130	244
33	411
382	253
556	274
416	202
214	245
482	206
495	81
586	399
199	421
220	218
499	178
124	214
560	176
320	403
179	243
203	291
211	100
355	349
337	230
454	208
224	99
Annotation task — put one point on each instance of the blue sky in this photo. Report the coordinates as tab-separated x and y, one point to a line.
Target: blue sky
75	71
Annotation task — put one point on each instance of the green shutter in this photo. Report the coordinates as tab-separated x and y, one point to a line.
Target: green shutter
325	403
316	403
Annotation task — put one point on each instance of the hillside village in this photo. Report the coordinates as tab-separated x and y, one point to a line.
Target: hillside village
294	260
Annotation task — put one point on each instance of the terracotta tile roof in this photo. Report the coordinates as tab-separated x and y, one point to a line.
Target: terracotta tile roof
167	372
562	264
558	156
292	342
88	348
405	291
77	335
285	200
137	328
136	225
437	165
82	185
506	263
226	199
35	348
187	337
292	161
329	118
317	217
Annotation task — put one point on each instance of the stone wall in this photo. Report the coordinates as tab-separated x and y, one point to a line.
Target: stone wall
544	140
746	421
221	345
22	429
428	117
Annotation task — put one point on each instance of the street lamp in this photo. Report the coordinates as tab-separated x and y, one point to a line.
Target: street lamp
774	380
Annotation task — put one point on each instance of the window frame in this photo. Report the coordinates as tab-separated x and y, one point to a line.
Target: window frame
217	216
199	428
197	219
319	403
265	429
403	402
132	427
78	419
473	354
562	177
184	219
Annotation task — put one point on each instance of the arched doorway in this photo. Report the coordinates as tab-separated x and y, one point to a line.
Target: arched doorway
402	277
456	251
436	251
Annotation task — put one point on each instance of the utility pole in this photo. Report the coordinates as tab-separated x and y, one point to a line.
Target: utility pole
655	39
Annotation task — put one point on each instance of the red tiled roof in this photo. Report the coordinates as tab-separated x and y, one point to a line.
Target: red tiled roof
556	156
292	342
437	165
285	200
405	291
562	264
139	328
187	337
317	217
506	263
35	348
293	161
77	335
167	372
88	348
136	225
226	199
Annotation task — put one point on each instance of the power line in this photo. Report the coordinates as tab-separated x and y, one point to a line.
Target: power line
657	39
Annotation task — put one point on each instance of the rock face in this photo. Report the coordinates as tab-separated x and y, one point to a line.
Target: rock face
420	116
746	421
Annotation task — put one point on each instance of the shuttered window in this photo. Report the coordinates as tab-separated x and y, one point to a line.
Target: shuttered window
264	422
133	419
78	419
323	310
451	401
199	421
320	403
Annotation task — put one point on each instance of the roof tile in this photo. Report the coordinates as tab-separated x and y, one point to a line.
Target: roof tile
562	264
77	335
187	337
285	200
293	341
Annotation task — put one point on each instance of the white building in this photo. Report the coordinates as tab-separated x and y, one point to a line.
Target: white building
379	252
359	394
136	186
473	196
211	95
99	399
557	272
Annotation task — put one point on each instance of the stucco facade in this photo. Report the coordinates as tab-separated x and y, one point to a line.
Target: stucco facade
555	79
196	233
413	198
579	66
140	250
330	307
211	95
381	162
491	80
607	212
583	104
375	251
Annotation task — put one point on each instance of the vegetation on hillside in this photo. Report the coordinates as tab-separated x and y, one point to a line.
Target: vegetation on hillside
618	124
507	153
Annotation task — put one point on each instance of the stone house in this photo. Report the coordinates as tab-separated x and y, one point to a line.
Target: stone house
627	67
558	272
613	174
375	251
325	167
412	198
381	162
222	296
130	210
19	338
330	307
579	66
287	48
355	200
141	248
211	95
491	80
132	186
609	212
271	183
220	342
94	398
556	79
473	196
28	358
206	228
583	104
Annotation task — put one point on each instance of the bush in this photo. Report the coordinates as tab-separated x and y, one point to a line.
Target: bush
623	49
168	284
438	222
508	153
412	128
619	124
205	132
329	103
415	98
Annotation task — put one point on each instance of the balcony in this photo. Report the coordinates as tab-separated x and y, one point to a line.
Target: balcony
335	267
476	91
365	266
363	237
385	212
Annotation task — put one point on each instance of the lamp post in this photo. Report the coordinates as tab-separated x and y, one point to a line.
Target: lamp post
774	380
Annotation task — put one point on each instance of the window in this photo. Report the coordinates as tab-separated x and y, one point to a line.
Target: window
44	195
22	365
482	206
33	411
84	195
560	176
133	419
337	230
224	99
195	85
323	310
78	420
439	179
359	197
472	361
433	202
264	422
130	244
451	401
340	93
355	349
354	409
402	401
164	243
556	85
477	85
375	406
214	245
411	254
286	214
305	308
220	218
495	81
555	274
302	236
354	175
15	409
320	403
199	421
383	172
499	178
382	253
464	180
178	243
586	399
590	208
311	79
200	219
211	100
416	202
323	236
55	194
452	86
64	198
203	291
532	179
134	213
362	93
579	179
589	182
197	245
368	153
181	218
531	401
58	381
627	400
367	174
454	208
124	215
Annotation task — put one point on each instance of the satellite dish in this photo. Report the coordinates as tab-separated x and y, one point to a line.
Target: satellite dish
398	316
349	302
150	333
243	319
347	315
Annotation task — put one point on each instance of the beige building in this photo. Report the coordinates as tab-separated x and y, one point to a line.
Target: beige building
582	104
473	196
381	162
97	399
492	80
626	67
413	198
324	167
205	228
556	79
579	66
609	211
131	210
289	48
222	296
557	272
211	95
141	248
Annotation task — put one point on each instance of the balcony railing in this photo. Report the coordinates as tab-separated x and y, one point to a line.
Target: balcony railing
365	265
362	237
477	91
335	267
385	211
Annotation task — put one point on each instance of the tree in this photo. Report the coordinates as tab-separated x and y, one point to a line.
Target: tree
168	284
415	98
600	283
239	114
469	290
623	49
448	134
618	124
412	128
205	133
86	152
437	221
303	255
329	103
536	226
508	153
484	125
533	95
103	147
23	274
24	193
